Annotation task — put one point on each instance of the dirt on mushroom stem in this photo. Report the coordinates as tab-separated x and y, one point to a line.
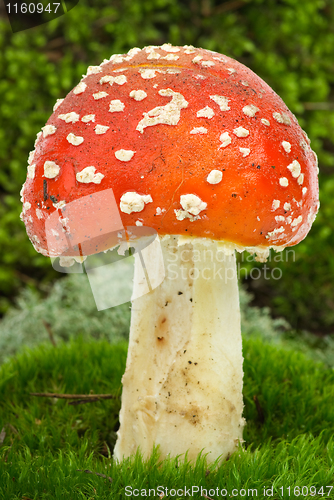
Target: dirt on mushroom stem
182	388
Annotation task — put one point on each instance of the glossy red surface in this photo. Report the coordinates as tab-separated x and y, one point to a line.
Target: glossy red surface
170	161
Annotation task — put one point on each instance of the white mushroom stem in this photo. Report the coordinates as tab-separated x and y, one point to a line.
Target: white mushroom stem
182	387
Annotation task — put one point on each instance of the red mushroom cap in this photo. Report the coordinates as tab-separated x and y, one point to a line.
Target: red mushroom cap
191	142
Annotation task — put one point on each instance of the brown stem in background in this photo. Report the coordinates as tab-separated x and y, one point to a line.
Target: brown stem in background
49	330
96	473
84	398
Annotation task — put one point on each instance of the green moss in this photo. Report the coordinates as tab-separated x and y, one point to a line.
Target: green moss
288	437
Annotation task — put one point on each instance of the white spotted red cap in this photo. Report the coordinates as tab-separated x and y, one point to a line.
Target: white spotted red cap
151	107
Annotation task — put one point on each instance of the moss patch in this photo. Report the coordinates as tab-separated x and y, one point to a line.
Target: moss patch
48	446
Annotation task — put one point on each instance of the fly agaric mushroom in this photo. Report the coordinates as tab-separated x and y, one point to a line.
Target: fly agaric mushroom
199	148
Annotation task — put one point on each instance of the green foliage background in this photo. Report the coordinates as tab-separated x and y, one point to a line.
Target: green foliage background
289	43
51	449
